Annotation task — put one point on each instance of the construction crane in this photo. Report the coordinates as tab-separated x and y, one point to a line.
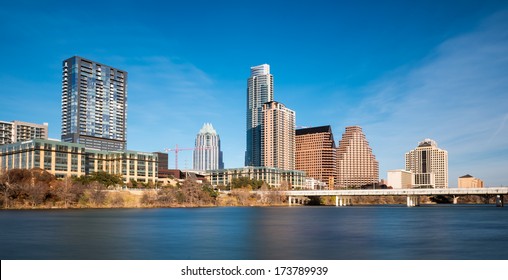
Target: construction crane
176	150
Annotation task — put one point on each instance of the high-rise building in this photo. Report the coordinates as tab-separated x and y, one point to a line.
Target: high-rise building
356	164
429	165
18	131
259	91
94	104
207	153
278	136
316	154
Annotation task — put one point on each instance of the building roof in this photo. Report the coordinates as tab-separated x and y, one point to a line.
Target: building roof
427	143
312	130
466	176
207	128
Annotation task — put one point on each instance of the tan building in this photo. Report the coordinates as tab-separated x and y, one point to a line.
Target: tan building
468	181
356	164
316	154
18	131
71	159
429	165
399	179
278	136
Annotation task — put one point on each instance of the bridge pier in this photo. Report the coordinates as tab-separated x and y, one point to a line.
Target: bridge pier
343	200
499	200
295	200
413	200
455	199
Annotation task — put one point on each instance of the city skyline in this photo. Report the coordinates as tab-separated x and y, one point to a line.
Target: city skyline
402	71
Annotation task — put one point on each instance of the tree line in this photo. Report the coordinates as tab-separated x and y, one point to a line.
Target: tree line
37	188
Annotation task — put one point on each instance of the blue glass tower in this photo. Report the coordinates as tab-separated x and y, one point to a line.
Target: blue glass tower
94	104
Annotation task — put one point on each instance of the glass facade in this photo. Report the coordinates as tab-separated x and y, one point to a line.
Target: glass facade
94	105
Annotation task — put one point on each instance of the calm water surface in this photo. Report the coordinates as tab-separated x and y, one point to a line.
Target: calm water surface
374	232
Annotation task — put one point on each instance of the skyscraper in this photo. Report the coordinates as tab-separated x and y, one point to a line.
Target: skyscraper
356	164
259	91
94	104
429	165
278	136
316	153
207	155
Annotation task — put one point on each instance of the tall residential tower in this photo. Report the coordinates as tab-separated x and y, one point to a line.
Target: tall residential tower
278	136
207	155
94	104
259	91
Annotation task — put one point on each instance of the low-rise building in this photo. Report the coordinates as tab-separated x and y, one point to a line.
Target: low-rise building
399	179
71	159
274	177
468	181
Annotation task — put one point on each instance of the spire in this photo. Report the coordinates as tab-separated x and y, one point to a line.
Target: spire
207	128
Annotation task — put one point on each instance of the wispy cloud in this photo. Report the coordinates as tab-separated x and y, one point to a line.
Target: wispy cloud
458	96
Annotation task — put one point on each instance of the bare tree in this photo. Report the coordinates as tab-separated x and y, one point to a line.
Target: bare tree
96	193
67	191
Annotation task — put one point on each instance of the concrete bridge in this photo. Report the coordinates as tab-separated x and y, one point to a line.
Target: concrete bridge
343	197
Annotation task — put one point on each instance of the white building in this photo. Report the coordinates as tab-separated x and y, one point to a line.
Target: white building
259	91
429	165
18	131
399	179
207	153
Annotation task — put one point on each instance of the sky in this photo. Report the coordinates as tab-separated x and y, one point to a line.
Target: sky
402	70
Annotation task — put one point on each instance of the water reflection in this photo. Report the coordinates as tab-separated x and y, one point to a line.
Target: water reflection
377	232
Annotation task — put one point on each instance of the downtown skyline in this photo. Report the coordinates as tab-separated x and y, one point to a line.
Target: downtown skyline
405	73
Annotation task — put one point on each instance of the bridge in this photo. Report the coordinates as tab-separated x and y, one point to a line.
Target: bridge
343	197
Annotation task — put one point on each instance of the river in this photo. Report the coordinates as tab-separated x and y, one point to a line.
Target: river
254	233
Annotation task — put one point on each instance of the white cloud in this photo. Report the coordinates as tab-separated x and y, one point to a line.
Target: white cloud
458	96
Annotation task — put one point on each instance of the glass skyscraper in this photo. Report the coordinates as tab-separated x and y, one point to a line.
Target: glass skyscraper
259	92
94	104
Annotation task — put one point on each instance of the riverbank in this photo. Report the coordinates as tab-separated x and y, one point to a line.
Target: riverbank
112	199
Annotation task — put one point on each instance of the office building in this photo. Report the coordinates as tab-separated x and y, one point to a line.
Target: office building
468	181
207	152
73	160
429	165
278	136
259	91
94	105
316	154
356	164
17	131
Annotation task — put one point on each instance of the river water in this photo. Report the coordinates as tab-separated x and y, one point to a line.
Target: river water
251	233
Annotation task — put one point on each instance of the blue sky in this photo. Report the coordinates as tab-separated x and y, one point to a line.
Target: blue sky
402	70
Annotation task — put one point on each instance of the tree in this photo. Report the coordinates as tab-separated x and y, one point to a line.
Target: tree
106	179
96	193
242	182
68	191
